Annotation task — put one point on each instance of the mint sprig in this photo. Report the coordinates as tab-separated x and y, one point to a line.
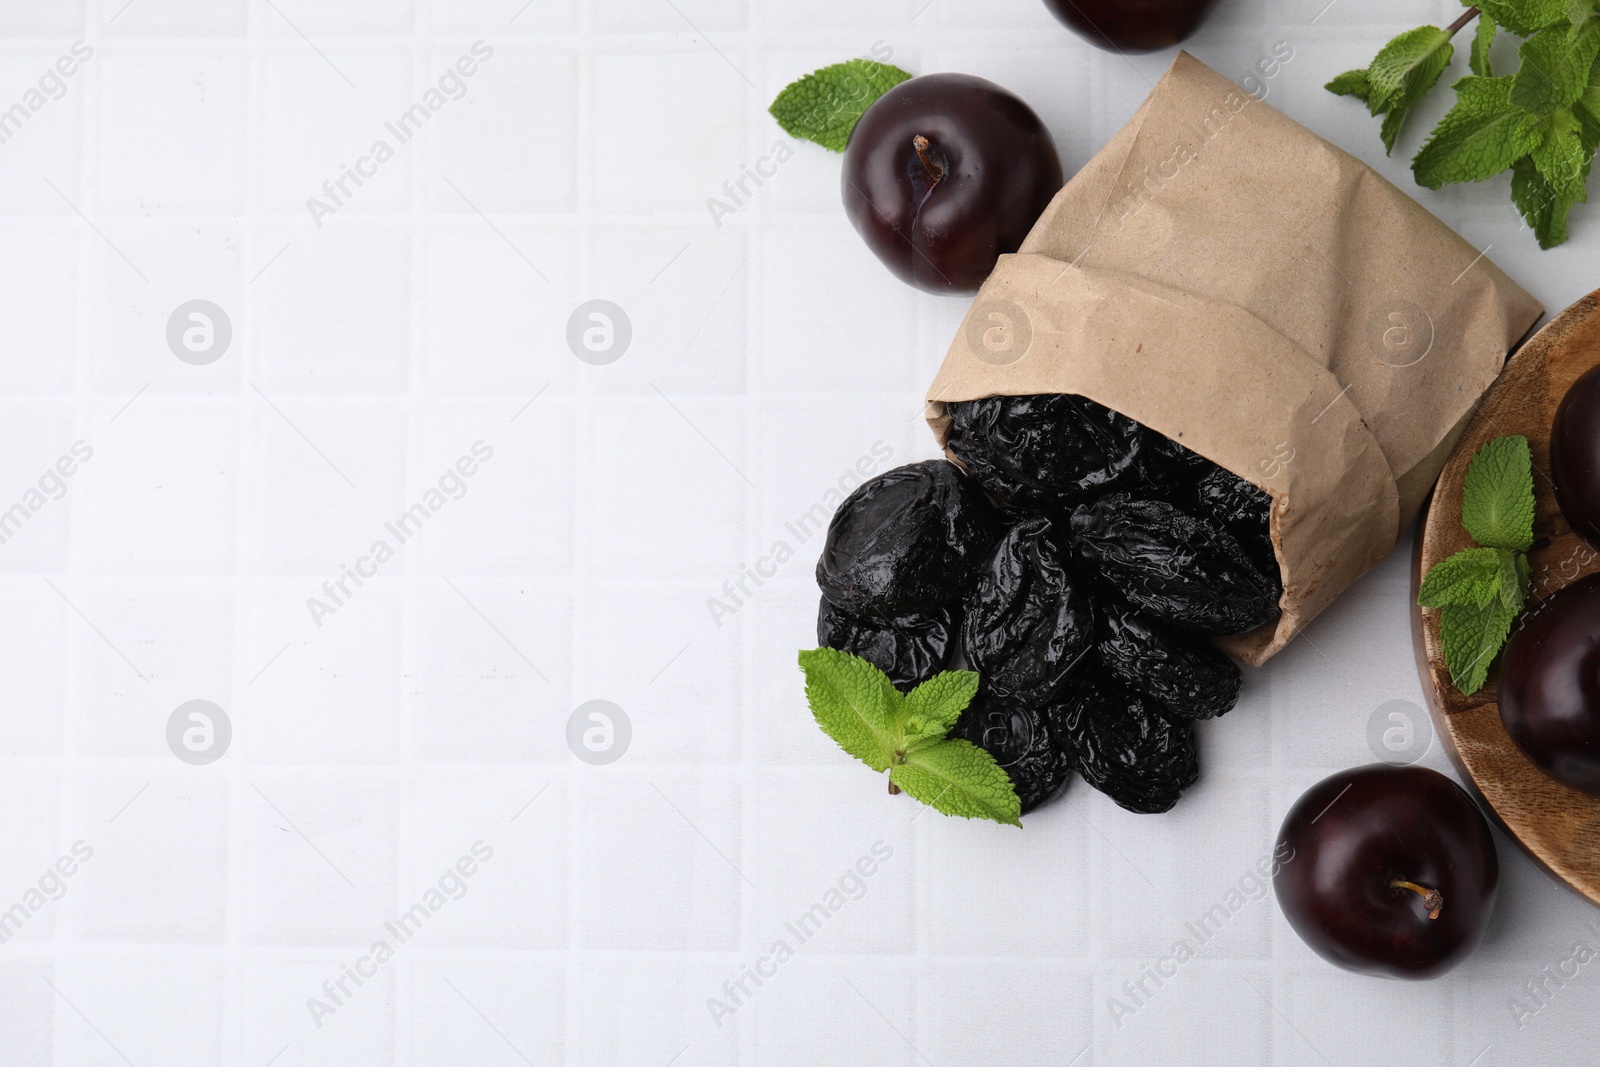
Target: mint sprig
825	106
905	734
1480	591
1541	122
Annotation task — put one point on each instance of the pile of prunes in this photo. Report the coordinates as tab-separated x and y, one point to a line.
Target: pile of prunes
1080	569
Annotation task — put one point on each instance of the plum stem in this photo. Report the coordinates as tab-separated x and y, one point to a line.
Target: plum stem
1432	899
893	789
935	171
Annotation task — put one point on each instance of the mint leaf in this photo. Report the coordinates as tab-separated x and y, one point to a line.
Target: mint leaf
1393	119
1471	638
1561	157
959	778
933	707
825	106
1555	66
1479	137
1482	38
1542	206
1407	67
1513	583
1525	17
854	703
1578	10
1497	505
1471	577
1351	83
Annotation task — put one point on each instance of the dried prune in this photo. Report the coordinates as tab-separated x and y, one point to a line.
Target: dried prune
1021	741
1243	509
909	541
1046	450
1174	567
1029	620
1124	747
1189	678
910	649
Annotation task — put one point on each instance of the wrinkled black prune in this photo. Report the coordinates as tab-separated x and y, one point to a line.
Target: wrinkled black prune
909	541
1124	747
910	649
1021	741
1047	450
1029	620
1174	567
1189	678
1243	509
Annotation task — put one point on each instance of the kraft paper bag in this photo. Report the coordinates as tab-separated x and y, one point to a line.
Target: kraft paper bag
1228	278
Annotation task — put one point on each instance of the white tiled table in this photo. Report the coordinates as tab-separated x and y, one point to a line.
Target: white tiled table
427	712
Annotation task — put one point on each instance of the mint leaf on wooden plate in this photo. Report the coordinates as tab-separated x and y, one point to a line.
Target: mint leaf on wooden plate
905	734
825	106
1480	591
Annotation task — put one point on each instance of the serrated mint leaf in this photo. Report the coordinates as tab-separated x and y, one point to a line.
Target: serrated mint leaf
1482	38
1350	83
1544	209
1561	157
959	778
1513	587
1393	119
1407	67
933	707
1555	66
1479	137
825	105
1578	10
1525	17
854	703
1471	576
1471	638
1497	505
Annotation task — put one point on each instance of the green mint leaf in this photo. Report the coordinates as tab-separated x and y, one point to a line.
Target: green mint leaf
1407	67
1525	17
933	707
825	105
1555	66
854	703
1472	638
1479	137
1482	38
1589	102
1471	577
959	778
1513	585
1543	207
1561	157
1351	83
1393	119
1497	505
1578	10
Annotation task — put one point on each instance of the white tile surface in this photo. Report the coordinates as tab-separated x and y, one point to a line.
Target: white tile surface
772	363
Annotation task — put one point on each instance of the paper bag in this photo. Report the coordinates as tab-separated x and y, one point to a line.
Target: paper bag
1231	280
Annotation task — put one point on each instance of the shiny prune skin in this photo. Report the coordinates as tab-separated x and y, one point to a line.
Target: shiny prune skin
1550	686
1028	621
910	649
1244	510
1126	26
1124	746
1021	741
1048	450
1174	567
941	217
1575	455
1184	674
907	542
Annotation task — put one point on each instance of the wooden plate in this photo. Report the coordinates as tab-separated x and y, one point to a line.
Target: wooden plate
1558	827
